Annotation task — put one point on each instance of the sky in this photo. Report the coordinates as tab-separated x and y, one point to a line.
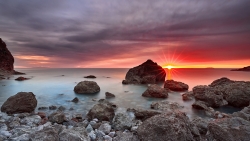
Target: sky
125	33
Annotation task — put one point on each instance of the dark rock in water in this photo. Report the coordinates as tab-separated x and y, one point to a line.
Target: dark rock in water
200	105
61	108
87	87
109	95
18	73
221	81
212	97
47	134
142	114
229	129
6	58
90	76
188	96
20	103
174	126
242	69
42	108
57	117
52	107
155	91
75	100
2	78
148	72
165	105
103	111
21	78
175	85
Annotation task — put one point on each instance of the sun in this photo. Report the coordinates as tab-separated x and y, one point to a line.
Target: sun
168	67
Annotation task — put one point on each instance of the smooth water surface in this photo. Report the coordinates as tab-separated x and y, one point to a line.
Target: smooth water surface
55	87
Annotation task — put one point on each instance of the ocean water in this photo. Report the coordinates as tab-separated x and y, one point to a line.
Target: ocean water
55	87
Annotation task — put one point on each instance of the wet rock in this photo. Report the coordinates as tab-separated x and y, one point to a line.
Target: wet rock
30	120
229	129
155	91
175	85
122	121
173	126
90	76
6	58
74	134
47	134
127	136
20	103
21	78
212	97
76	100
104	111
109	95
105	128
165	105
87	87
142	114
52	107
146	73
57	117
188	96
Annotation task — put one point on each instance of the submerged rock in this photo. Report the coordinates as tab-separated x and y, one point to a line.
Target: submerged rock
174	126
148	72
175	85
76	100
87	87
103	111
155	91
20	103
21	78
109	95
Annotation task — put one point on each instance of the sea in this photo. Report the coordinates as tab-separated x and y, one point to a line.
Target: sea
54	86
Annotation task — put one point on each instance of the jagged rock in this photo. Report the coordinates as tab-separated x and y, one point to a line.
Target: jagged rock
20	103
174	126
146	73
75	100
103	111
142	114
109	95
47	134
212	97
6	58
165	105
175	85
57	117
229	129
74	134
122	121
87	87
90	76
155	91
188	96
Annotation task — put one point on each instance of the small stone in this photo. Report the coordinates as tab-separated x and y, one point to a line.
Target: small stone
99	134
107	138
105	128
89	128
95	119
112	134
92	123
109	95
134	128
92	135
5	133
41	114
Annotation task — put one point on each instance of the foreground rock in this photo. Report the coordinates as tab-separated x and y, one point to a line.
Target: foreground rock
174	126
175	85
74	134
90	76
188	96
142	114
242	69
21	78
104	111
122	121
148	72
155	91
224	91
6	58
229	129
109	95
87	87
20	103
47	134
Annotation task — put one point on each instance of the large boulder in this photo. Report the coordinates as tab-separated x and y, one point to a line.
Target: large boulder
22	102
87	87
148	72
229	129
6	58
103	111
175	85
221	81
155	91
174	126
212	97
